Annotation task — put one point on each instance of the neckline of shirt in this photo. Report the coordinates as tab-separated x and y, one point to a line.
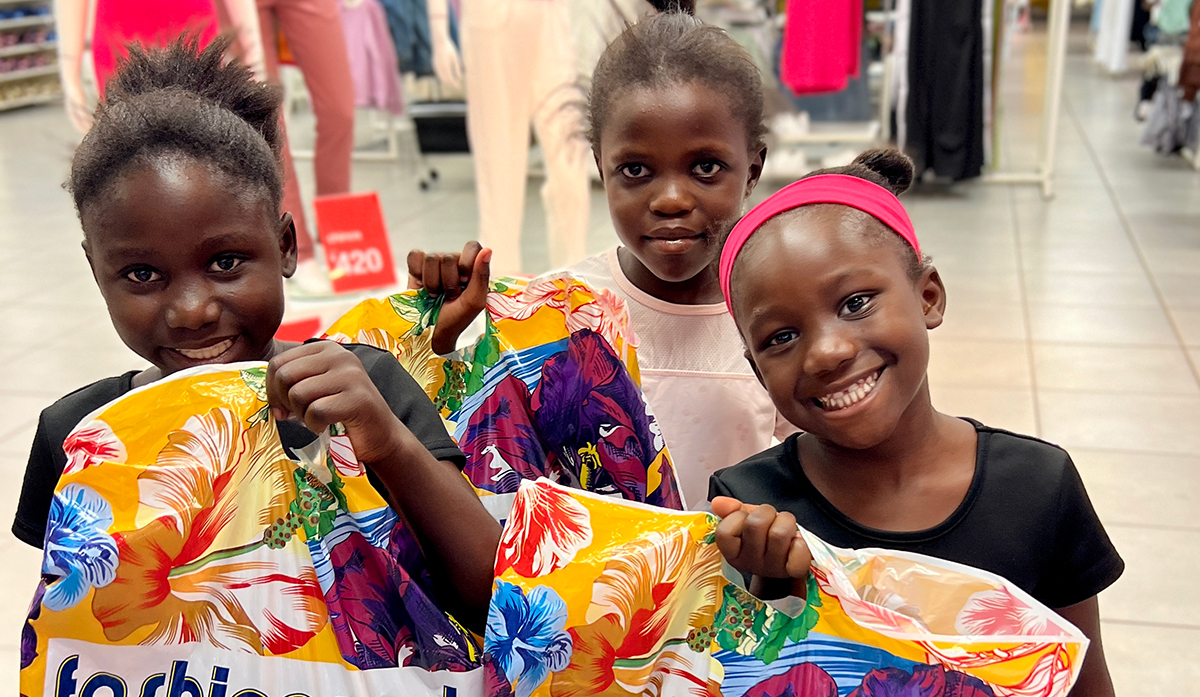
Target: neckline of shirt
887	536
643	298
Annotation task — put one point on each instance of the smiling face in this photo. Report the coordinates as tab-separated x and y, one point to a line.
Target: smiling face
191	268
835	326
677	166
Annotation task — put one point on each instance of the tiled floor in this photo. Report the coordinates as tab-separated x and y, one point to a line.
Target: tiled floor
1076	319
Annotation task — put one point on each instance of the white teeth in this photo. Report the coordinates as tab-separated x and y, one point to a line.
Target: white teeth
208	352
851	395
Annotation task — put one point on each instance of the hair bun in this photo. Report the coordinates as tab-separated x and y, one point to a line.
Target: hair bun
890	164
684	6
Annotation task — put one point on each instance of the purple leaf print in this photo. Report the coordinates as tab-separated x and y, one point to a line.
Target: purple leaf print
924	681
500	443
592	417
28	634
803	680
377	608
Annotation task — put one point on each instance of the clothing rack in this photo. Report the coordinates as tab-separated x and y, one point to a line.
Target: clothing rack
1042	175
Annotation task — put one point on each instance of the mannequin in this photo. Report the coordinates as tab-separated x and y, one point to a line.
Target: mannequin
313	31
121	21
518	63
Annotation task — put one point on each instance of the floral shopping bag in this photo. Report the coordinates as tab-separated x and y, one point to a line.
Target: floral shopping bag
596	596
187	556
550	390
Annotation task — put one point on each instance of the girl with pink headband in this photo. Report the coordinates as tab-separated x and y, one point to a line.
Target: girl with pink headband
828	288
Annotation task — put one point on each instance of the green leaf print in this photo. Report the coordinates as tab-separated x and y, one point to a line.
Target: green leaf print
420	308
450	395
256	380
748	626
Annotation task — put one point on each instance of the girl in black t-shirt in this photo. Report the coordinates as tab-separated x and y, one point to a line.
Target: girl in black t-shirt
178	190
834	301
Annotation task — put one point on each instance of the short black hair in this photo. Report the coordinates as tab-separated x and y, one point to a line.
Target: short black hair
894	171
183	99
676	48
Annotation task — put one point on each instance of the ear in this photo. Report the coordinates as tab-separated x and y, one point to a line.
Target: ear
287	244
756	169
933	297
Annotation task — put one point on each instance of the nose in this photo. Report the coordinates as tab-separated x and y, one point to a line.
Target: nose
829	347
193	305
672	199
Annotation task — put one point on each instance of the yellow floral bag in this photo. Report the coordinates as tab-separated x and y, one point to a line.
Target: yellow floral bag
596	596
188	556
550	390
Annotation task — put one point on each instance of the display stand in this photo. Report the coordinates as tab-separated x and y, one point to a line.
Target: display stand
1056	57
28	54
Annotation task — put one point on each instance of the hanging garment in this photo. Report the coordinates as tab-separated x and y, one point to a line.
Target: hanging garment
945	88
822	42
1189	74
313	29
408	21
852	103
519	60
119	22
1169	121
1112	39
373	63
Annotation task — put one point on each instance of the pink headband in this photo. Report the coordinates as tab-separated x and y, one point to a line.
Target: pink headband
844	189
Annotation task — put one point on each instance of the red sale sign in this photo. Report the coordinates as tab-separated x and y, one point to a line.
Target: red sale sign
356	242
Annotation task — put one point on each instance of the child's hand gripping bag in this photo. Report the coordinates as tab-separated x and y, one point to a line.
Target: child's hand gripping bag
550	390
187	556
596	596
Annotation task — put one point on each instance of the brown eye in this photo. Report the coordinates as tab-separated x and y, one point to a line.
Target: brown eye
634	171
856	303
143	275
225	263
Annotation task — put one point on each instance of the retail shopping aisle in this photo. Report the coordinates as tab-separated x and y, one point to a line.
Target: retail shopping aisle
1076	319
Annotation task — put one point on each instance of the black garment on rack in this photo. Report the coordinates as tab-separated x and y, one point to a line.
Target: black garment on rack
945	87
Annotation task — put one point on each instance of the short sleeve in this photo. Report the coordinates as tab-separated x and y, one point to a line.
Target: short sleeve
41	476
1084	561
409	403
716	487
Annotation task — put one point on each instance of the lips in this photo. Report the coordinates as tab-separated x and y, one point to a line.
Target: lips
673	235
848	397
206	353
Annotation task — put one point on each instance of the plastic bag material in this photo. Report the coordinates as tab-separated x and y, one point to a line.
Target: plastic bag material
596	596
550	390
187	555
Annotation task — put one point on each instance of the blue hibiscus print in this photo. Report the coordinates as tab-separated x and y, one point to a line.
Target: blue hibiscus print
79	551
526	636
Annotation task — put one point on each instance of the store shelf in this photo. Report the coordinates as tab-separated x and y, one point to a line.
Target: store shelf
31	100
26	48
26	22
40	71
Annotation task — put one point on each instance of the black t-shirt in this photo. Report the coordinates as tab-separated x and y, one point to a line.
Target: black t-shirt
47	459
1026	516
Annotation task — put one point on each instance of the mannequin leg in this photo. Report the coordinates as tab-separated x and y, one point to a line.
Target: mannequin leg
498	63
558	120
313	29
292	202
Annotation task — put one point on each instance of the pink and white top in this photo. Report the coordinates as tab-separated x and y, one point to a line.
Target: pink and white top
712	410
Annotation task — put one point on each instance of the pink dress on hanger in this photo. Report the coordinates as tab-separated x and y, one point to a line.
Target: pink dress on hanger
822	45
373	62
119	22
